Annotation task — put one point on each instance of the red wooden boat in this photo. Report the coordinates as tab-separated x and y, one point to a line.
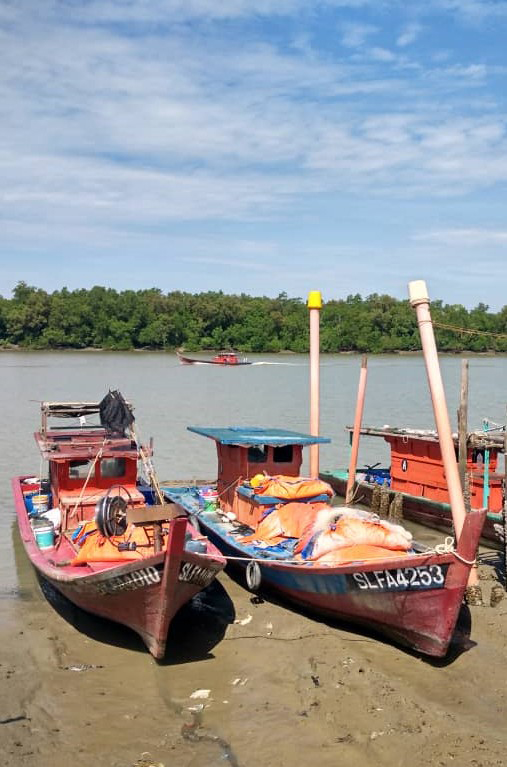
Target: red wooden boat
222	358
111	551
417	472
411	597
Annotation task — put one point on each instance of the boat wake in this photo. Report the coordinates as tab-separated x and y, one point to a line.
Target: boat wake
290	364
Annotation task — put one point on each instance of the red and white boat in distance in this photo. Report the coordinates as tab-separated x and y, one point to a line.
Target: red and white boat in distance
226	359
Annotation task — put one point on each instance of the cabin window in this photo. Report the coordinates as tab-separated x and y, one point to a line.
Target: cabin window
257	454
283	454
80	469
478	456
112	468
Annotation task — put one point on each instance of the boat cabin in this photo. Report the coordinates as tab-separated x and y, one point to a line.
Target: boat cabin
226	358
86	460
417	467
244	452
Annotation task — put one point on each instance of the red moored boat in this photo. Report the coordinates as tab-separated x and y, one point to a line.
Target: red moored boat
416	472
102	543
222	358
413	597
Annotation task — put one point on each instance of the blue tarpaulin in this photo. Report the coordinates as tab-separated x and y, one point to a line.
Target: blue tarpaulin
257	435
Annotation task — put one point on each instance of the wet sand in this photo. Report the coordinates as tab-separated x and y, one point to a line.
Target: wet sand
284	688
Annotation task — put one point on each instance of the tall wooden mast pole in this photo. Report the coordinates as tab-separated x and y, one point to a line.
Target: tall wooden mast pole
420	301
357	428
314	305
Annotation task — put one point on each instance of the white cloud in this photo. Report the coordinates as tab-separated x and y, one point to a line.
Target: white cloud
382	54
409	35
355	35
470	238
120	132
473	10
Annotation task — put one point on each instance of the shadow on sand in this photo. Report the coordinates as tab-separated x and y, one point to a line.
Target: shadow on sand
460	642
195	629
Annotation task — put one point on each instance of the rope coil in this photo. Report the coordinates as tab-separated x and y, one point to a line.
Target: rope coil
447	547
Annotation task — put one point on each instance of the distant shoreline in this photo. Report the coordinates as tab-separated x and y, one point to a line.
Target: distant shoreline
96	350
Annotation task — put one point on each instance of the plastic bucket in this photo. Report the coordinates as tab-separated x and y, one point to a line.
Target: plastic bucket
44	532
210	499
54	516
40	503
28	497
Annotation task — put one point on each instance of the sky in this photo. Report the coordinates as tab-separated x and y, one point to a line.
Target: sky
255	146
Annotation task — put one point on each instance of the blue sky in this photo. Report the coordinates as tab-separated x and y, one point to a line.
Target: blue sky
256	146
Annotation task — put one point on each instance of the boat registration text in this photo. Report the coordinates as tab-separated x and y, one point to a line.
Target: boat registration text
418	578
146	576
199	576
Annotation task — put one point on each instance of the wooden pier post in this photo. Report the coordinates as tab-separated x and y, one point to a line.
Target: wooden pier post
462	434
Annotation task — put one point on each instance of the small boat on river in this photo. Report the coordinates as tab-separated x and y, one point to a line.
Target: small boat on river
336	561
106	540
227	359
416	471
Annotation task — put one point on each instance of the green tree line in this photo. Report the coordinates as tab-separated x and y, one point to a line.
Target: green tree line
104	318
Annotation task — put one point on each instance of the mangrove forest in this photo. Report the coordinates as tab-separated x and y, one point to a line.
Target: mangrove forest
104	318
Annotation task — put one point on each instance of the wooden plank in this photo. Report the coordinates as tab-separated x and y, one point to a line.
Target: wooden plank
142	515
474	438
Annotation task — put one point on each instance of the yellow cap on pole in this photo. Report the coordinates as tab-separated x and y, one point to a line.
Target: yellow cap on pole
314	299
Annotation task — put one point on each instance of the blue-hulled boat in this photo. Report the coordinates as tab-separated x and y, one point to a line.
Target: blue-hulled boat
412	597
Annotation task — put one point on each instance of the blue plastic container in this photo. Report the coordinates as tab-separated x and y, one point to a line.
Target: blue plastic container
378	477
44	532
29	502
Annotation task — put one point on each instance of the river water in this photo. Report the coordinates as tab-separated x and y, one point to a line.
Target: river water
273	392
278	686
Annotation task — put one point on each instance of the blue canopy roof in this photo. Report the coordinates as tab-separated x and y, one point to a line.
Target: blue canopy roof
257	435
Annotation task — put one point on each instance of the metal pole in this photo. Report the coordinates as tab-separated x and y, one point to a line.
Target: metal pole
357	428
314	305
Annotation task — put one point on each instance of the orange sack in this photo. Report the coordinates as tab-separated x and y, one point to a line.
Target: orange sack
292	488
289	520
357	553
350	530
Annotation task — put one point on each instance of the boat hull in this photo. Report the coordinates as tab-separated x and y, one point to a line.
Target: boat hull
422	619
143	594
422	510
414	600
195	361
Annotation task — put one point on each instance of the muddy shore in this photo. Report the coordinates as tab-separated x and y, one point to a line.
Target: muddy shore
270	686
